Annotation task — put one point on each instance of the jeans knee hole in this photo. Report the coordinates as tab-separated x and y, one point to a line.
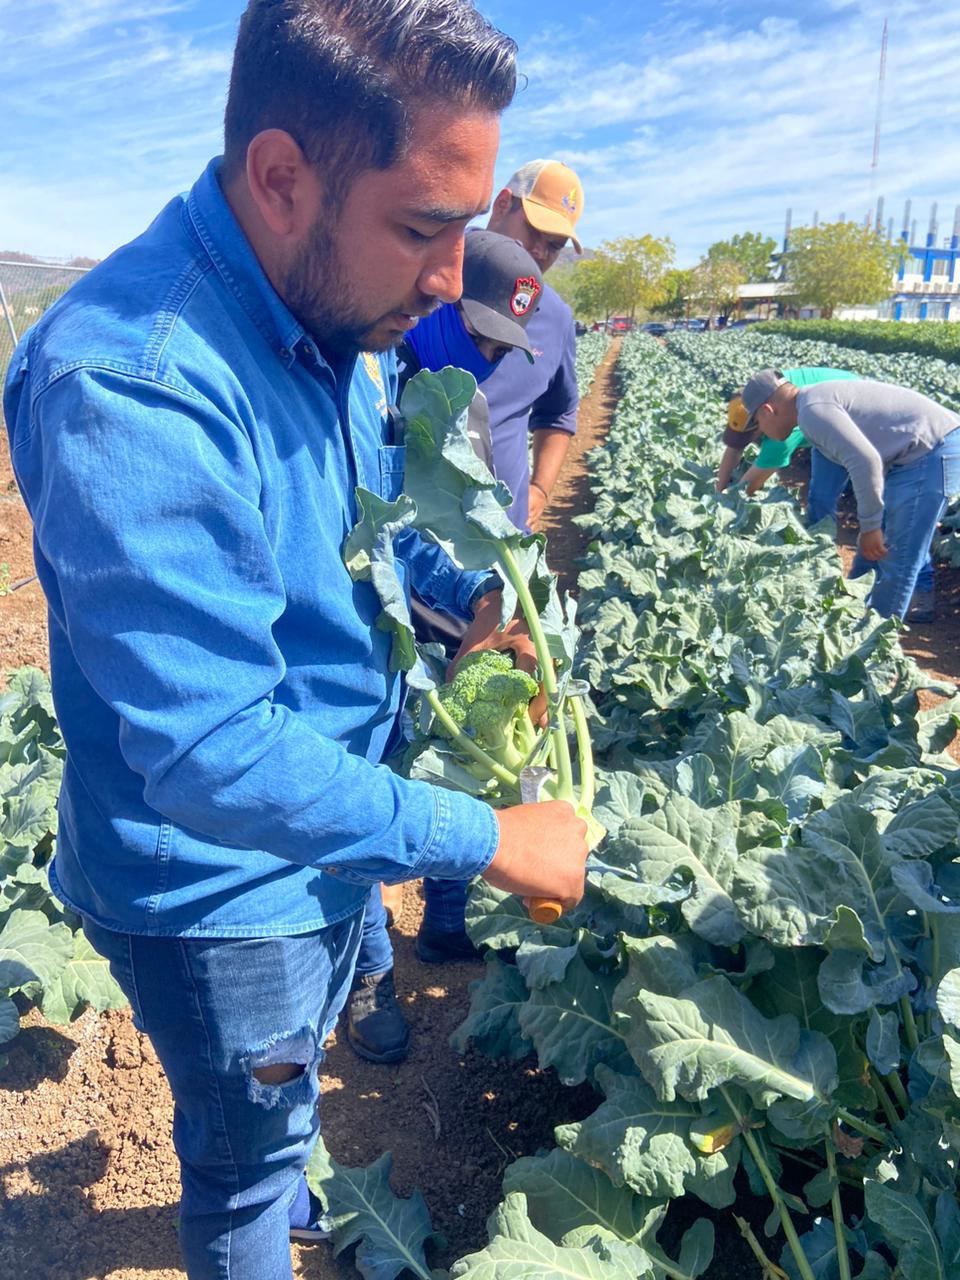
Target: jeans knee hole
280	1072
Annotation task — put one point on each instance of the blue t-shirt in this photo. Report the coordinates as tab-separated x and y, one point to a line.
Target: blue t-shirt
524	397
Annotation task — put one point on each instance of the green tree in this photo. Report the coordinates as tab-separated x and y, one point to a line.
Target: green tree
838	264
751	252
678	291
635	273
595	288
715	283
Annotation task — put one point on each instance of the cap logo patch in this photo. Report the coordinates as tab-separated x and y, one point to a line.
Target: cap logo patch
569	201
525	293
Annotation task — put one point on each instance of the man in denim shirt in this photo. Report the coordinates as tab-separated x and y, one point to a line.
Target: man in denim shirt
188	427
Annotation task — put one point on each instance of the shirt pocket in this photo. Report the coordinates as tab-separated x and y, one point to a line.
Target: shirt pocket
393	458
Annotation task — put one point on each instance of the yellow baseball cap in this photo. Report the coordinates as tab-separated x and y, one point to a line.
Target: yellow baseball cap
552	197
738	433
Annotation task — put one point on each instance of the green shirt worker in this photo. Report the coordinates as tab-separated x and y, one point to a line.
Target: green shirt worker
774	454
902	452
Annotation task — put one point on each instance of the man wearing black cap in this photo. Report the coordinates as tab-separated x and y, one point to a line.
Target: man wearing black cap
501	289
902	452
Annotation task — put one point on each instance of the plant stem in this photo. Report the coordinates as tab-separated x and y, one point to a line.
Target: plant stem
769	1269
863	1126
588	779
789	1230
467	744
909	1022
843	1257
547	674
900	1093
889	1110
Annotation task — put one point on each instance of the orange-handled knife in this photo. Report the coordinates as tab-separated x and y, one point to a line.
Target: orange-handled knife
532	778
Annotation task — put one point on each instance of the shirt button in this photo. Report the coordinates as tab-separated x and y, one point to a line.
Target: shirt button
285	353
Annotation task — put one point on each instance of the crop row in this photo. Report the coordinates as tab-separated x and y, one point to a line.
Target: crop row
591	349
764	986
926	338
43	954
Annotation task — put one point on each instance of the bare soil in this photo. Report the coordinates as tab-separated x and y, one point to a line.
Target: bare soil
88	1176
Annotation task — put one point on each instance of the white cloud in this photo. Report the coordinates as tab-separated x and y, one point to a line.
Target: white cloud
711	130
694	123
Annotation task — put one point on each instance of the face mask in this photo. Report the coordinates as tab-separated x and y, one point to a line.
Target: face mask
441	338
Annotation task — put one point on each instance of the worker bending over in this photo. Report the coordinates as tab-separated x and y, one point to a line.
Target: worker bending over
901	450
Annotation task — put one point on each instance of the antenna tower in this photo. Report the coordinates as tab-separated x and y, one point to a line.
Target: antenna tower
881	82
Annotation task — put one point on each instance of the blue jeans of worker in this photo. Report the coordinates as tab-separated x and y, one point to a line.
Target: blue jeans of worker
376	949
217	1010
827	482
914	499
446	902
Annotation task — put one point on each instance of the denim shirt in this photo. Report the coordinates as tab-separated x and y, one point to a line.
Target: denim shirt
189	460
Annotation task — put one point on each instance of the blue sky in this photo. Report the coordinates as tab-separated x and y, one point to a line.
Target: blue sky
693	121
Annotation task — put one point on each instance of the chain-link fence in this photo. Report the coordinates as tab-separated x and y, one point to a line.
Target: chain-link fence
26	290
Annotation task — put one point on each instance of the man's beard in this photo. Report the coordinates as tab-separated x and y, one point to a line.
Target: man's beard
316	290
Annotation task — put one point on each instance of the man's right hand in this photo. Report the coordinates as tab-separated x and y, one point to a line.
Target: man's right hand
542	852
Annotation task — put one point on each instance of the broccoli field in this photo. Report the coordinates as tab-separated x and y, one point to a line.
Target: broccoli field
740	1054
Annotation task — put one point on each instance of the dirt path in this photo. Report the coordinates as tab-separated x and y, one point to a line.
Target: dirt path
23	628
571	494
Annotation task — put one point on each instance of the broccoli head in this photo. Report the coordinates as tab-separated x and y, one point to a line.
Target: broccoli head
489	699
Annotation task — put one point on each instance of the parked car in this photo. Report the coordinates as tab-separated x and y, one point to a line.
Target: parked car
620	324
695	325
655	328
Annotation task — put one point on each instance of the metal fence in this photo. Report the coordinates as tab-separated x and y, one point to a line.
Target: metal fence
26	290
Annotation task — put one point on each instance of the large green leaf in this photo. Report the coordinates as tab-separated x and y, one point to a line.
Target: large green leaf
715	1036
564	1193
9	1019
906	1226
32	950
791	986
679	840
493	1022
572	1023
85	980
360	1209
368	555
517	1251
643	1143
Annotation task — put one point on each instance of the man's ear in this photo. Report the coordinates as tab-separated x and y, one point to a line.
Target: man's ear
501	205
282	183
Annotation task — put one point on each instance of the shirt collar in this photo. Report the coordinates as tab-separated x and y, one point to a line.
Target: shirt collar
238	266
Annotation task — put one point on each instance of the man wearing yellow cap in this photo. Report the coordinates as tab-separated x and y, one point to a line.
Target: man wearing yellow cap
540	206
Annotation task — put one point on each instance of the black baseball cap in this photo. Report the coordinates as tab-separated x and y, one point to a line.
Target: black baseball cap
501	288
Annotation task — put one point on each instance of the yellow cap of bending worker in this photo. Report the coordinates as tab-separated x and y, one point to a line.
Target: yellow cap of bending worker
552	197
737	435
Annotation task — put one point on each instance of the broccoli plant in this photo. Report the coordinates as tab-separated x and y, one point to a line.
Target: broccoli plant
475	734
488	703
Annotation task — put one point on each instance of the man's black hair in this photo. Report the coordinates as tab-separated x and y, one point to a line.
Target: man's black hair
343	77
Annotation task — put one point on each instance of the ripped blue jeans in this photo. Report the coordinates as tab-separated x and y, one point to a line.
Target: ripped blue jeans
217	1011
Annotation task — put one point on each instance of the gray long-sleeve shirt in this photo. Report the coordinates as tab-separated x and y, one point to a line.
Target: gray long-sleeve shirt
869	427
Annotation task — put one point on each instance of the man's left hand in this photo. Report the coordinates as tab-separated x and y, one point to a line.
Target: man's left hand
484	633
536	504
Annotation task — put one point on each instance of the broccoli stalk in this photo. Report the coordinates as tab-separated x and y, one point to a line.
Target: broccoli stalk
484	712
